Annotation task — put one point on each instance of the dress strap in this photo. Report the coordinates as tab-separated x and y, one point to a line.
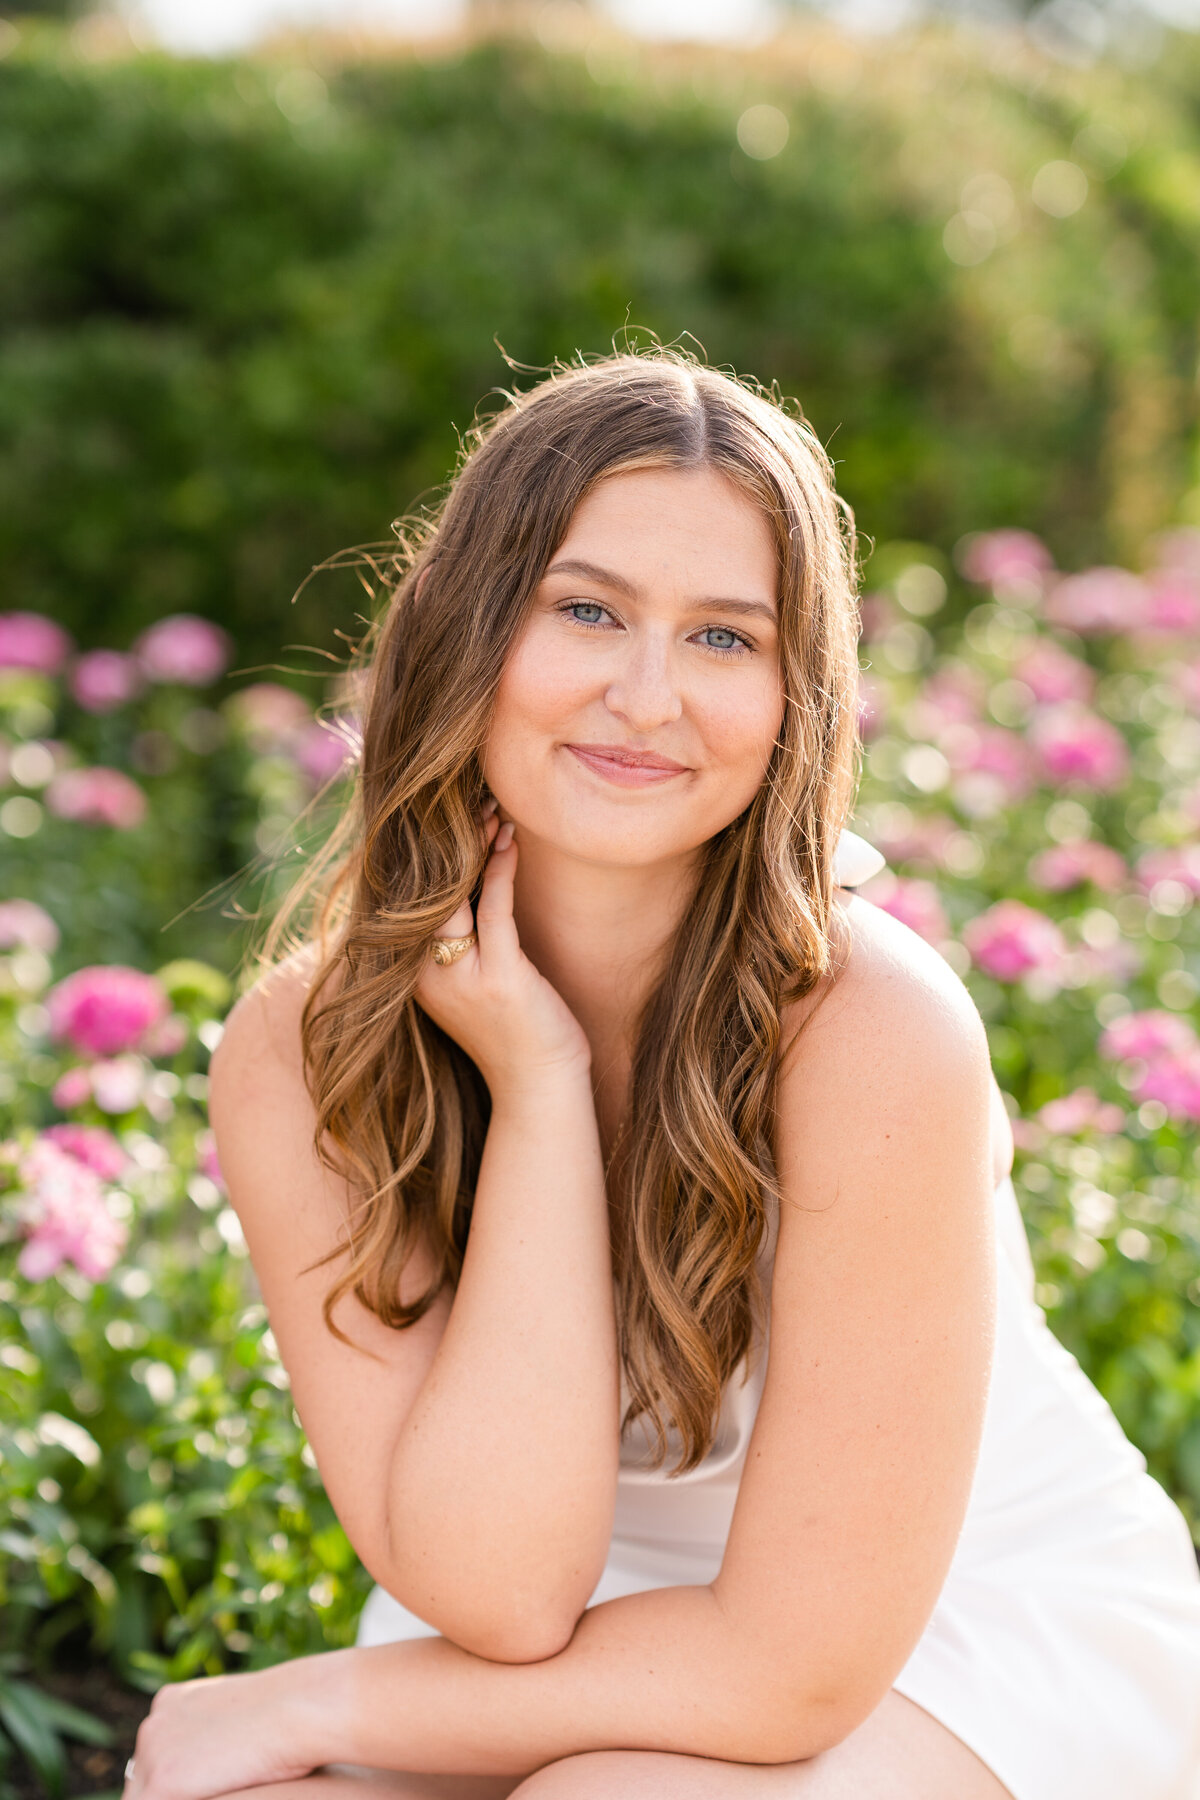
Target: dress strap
855	861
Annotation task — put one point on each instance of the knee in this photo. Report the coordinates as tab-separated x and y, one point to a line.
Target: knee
593	1775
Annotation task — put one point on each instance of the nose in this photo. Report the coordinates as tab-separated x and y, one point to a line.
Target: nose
645	691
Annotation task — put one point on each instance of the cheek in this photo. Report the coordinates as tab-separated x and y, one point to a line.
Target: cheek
742	722
542	687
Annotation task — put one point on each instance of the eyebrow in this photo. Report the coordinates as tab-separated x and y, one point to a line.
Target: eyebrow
622	585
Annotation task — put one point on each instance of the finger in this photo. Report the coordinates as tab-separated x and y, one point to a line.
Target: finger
498	941
461	923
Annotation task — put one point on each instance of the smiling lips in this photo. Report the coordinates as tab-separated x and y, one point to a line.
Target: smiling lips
627	768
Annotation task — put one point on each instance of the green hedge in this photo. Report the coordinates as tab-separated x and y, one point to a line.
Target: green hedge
245	307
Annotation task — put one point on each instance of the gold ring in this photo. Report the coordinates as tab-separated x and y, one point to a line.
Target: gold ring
448	950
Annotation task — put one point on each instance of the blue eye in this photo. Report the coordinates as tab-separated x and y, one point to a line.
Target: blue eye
585	612
720	637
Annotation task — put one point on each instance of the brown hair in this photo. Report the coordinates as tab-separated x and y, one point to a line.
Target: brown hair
401	1110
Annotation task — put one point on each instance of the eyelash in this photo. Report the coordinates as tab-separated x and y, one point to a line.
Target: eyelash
739	649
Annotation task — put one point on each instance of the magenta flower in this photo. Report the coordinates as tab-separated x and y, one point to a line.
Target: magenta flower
1075	745
1011	939
324	750
185	649
31	641
269	714
1064	866
105	1009
1080	1111
25	926
1005	558
1053	674
64	1215
91	1145
97	796
1174	1081
1098	600
917	905
103	680
1178	862
1145	1036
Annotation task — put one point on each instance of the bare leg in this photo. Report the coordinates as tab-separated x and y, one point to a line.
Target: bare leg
900	1753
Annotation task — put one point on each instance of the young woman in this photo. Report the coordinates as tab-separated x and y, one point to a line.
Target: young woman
592	1075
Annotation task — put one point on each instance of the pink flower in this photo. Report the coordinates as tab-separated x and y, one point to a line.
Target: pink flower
73	1088
1081	1111
1173	605
1187	680
270	715
91	1145
167	1038
31	641
97	796
954	695
1178	862
1064	866
993	767
65	1216
1145	1036
1174	1081
1178	551
103	680
118	1083
1005	558
25	926
1098	600
324	751
915	903
1010	940
105	1009
207	1160
920	839
184	649
1075	745
1053	674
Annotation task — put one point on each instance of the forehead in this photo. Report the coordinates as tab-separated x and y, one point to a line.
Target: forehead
693	527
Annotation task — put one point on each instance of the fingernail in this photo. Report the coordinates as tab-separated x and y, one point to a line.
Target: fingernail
504	836
490	805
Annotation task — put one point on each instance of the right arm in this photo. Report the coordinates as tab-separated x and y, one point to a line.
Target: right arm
473	1459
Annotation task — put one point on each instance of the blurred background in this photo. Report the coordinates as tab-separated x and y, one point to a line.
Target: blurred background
261	267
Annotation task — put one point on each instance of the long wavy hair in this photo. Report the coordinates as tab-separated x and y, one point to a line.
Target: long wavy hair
401	1111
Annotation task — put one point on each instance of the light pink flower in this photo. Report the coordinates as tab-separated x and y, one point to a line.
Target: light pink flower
955	694
1064	866
1053	674
29	640
1075	745
207	1160
269	714
915	903
1011	939
1145	1036
97	796
91	1145
73	1088
167	1038
105	1009
1178	551
1187	681
921	839
1173	1079
1080	1111
1098	600
993	767
184	649
1175	862
118	1083
323	751
103	680
1005	558
25	926
1173	605
65	1217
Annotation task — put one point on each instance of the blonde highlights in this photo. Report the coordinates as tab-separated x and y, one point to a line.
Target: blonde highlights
401	1111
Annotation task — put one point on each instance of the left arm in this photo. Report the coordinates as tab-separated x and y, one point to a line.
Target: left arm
859	1467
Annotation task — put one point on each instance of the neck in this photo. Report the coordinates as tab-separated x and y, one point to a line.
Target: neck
598	934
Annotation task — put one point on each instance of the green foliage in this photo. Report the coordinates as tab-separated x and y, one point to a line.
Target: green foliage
243	303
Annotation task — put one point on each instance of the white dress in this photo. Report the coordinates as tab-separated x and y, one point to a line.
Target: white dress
1064	1648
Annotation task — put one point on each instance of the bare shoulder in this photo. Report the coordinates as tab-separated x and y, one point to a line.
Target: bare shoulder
261	1040
894	998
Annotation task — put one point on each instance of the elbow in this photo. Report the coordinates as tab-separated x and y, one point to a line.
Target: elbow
516	1639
